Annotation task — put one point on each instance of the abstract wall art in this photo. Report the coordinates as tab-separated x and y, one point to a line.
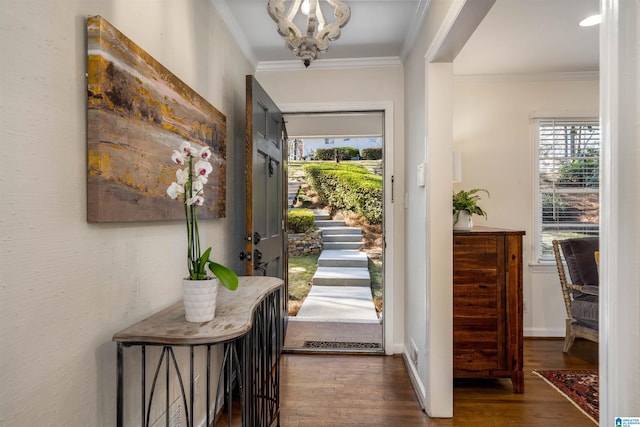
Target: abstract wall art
138	112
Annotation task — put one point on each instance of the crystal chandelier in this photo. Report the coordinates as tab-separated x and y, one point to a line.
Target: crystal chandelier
318	33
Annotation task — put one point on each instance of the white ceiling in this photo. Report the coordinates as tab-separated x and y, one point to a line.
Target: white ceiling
516	36
335	125
532	36
377	28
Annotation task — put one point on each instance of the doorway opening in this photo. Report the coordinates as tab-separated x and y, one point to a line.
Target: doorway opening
335	176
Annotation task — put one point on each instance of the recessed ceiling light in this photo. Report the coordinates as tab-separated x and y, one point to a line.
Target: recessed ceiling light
591	21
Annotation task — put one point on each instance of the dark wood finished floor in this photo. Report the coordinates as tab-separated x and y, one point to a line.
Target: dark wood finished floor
319	390
364	390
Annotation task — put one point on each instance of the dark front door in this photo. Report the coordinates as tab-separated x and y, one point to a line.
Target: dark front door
266	199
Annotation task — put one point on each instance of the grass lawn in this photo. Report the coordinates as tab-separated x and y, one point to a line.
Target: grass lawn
375	270
301	270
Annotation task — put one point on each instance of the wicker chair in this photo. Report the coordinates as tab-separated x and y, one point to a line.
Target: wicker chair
581	295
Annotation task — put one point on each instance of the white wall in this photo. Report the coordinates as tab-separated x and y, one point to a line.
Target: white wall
620	223
428	290
492	131
67	286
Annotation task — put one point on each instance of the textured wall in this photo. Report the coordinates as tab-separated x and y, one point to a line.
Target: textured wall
65	285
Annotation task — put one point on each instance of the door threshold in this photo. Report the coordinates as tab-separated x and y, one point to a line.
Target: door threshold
334	351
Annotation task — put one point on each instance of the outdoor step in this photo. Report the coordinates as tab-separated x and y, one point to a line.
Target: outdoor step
343	258
342	238
341	245
340	230
341	276
329	223
321	214
344	303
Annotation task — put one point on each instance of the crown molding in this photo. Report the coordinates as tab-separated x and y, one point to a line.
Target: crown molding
324	64
414	28
527	77
234	28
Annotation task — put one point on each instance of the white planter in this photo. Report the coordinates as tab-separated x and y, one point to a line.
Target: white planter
465	222
199	297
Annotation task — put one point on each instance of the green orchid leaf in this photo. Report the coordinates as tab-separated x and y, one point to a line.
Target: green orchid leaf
227	277
205	256
202	262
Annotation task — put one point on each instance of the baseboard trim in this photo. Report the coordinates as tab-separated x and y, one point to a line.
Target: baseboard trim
418	387
544	332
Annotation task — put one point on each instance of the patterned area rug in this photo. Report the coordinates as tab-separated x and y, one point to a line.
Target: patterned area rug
342	345
579	387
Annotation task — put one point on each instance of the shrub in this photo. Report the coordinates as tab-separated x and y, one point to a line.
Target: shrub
583	171
324	154
301	220
371	153
349	187
344	153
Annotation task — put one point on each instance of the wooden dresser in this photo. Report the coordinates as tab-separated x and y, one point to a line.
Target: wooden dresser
487	304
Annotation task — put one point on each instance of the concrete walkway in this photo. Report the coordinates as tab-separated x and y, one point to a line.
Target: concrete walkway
341	286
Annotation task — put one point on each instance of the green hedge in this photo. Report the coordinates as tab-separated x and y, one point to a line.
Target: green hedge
344	153
371	153
301	220
345	186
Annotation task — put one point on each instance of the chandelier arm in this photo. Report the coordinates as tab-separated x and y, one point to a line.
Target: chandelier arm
321	21
332	31
312	22
286	28
293	10
342	12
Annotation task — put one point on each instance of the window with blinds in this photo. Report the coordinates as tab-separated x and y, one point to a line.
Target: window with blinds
568	181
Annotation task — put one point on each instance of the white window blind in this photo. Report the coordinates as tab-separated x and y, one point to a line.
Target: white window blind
568	181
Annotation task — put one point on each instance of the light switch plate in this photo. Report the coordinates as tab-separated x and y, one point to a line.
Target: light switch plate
421	175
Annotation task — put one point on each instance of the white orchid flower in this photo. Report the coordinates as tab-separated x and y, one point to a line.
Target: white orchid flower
187	149
205	153
182	176
175	190
201	178
177	157
203	168
197	200
197	185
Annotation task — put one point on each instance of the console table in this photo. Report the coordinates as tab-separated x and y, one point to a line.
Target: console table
248	324
487	304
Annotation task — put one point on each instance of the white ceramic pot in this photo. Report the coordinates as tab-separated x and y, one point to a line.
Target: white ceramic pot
199	297
465	222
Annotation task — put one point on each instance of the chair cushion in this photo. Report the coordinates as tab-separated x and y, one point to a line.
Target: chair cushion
584	308
579	255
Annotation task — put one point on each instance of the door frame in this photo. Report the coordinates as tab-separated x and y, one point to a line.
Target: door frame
387	107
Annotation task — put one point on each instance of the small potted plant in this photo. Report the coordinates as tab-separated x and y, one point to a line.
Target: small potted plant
200	288
465	206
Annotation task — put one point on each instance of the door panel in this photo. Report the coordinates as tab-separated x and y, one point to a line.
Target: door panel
265	189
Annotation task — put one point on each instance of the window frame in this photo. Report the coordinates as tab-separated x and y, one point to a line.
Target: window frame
537	227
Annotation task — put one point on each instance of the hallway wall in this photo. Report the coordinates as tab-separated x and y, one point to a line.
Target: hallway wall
67	286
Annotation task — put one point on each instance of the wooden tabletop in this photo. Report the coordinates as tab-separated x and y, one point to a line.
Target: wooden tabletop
233	318
488	230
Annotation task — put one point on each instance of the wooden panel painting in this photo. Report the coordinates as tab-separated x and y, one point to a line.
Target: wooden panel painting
138	112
